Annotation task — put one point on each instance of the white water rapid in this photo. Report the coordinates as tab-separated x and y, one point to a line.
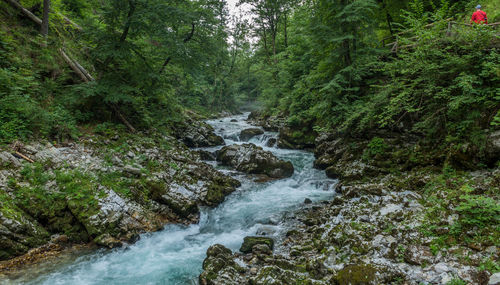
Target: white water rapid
175	254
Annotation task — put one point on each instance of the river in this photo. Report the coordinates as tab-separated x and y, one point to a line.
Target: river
175	254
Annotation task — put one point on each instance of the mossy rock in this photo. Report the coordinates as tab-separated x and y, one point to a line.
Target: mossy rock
297	138
249	242
356	275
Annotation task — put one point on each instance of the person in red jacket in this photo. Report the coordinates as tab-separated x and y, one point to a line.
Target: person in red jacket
479	17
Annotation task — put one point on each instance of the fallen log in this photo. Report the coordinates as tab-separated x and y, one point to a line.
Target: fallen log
70	22
25	11
18	154
73	66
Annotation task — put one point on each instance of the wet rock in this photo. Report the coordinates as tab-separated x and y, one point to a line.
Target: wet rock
250	242
251	159
197	134
206	155
219	267
266	230
247	134
234	121
261	249
205	187
108	241
307	201
271	142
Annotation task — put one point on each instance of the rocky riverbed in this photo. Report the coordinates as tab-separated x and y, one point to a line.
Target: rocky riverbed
398	218
105	189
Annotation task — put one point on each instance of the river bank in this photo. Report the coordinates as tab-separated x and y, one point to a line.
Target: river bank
175	254
396	220
106	189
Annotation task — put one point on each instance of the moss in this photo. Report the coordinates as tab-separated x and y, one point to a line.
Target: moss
356	275
215	194
28	235
249	242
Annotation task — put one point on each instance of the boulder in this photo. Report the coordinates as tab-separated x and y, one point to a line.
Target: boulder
18	231
493	147
247	134
271	142
252	159
197	134
197	184
219	267
206	155
356	274
7	159
250	242
267	122
296	138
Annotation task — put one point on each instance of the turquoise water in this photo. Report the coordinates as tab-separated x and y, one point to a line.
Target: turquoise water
175	255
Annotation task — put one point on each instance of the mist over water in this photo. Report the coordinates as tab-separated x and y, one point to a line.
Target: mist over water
175	254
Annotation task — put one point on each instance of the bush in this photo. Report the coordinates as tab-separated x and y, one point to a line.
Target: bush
376	146
478	211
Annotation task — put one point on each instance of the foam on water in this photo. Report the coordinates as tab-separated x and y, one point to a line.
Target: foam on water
175	255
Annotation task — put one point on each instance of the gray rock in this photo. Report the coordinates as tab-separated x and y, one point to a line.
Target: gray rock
7	159
197	134
250	242
251	159
494	279
205	187
271	142
493	147
206	155
247	134
50	153
441	268
220	268
132	170
130	154
116	161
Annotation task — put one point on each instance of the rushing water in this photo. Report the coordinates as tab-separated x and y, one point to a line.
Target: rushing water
175	255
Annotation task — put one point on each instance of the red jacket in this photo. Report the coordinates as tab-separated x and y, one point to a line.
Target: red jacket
479	17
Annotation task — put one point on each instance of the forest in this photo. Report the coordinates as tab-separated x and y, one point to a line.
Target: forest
384	96
321	64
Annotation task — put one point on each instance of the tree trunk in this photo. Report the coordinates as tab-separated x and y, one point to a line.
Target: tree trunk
45	19
73	66
286	33
26	12
126	29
